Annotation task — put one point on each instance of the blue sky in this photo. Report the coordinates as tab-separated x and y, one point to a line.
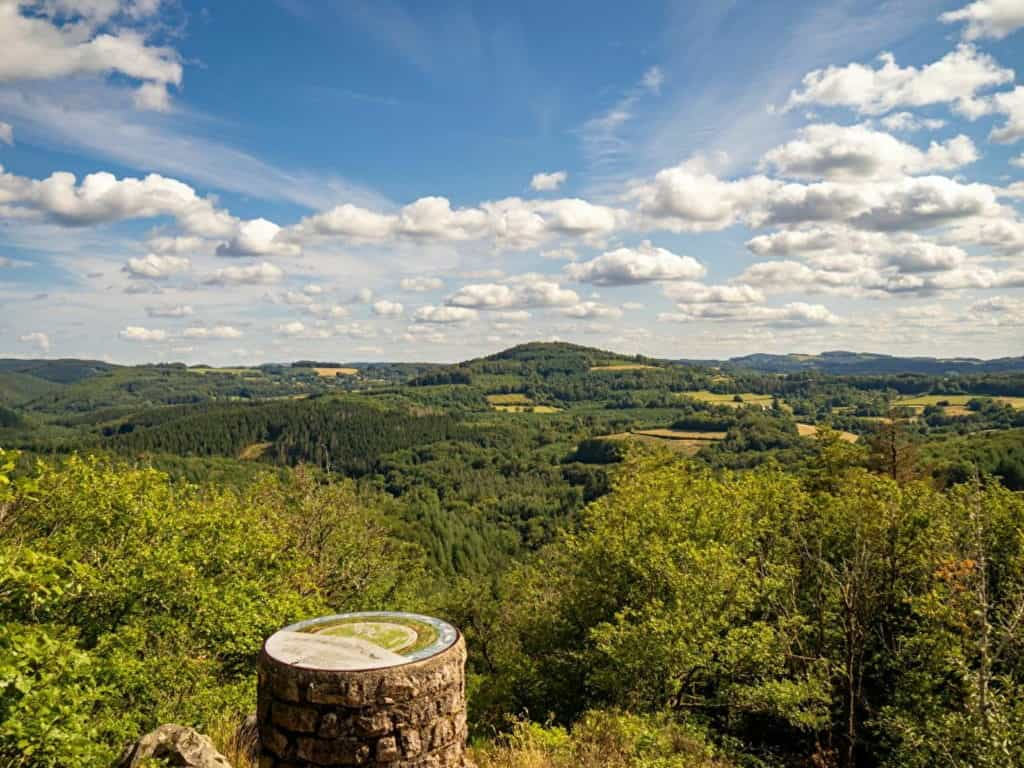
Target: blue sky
241	182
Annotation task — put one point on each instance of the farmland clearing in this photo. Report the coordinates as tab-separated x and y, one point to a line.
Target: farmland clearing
332	372
810	430
681	441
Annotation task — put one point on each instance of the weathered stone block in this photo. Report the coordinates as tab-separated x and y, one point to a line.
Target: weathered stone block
282	686
332	725
273	740
412	745
332	752
294	717
372	724
387	750
444	732
328	692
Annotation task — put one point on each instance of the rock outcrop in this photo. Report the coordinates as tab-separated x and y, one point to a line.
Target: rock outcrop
177	745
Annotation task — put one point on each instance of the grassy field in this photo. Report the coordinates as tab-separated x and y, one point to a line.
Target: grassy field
680	434
529	408
681	441
514	398
624	367
810	430
517	402
332	372
749	398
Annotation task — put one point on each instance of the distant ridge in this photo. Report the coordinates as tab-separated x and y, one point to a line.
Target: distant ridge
836	362
66	370
842	362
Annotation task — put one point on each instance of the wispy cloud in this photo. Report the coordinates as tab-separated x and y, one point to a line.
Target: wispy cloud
93	117
710	109
605	139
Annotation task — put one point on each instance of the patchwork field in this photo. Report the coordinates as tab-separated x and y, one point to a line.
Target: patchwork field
957	402
517	402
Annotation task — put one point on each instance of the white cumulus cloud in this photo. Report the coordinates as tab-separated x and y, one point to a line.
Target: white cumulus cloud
141	334
525	291
220	332
956	78
421	284
263	273
296	329
591	310
687	198
547	182
258	237
444	315
994	19
386	308
1010	104
795	314
907	122
643	264
37	339
699	293
153	266
856	151
49	40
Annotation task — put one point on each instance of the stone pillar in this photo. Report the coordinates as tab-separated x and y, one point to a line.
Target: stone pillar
380	689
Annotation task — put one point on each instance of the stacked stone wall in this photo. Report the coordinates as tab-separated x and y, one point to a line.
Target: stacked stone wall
407	716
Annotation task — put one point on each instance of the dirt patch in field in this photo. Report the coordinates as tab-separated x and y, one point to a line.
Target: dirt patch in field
810	430
254	451
332	372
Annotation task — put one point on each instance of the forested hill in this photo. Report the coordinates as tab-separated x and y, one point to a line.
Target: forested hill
531	357
842	363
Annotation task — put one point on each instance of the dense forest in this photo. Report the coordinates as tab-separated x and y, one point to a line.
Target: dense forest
656	564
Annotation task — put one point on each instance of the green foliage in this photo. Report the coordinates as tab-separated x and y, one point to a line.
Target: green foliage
842	617
335	434
47	696
959	459
128	600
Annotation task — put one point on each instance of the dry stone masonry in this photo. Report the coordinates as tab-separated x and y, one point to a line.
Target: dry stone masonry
367	689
